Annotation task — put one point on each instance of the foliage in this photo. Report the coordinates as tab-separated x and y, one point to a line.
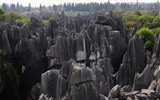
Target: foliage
3	17
9	16
18	17
137	13
148	36
24	20
157	30
156	21
14	15
116	14
53	19
146	20
2	11
138	20
11	78
46	22
131	21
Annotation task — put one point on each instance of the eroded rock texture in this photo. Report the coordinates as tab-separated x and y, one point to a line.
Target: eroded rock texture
90	57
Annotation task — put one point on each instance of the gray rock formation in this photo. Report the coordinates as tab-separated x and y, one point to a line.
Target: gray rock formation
143	80
134	60
79	58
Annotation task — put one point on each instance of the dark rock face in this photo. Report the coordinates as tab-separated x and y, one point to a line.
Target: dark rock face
134	61
143	80
67	84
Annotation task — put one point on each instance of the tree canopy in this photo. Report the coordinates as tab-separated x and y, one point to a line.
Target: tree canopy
148	36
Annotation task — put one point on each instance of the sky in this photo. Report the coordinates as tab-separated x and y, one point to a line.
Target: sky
51	2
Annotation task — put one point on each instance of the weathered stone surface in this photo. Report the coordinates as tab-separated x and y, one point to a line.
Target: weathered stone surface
44	97
157	73
85	91
80	48
126	88
103	54
107	70
148	92
115	92
157	47
102	97
53	85
158	88
129	95
143	80
143	97
134	60
85	75
152	85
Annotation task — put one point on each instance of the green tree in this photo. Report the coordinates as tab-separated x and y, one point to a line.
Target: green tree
131	20
156	21
2	15
2	11
146	20
15	15
137	13
148	36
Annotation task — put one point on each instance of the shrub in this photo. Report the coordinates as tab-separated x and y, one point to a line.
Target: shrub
156	21
2	11
138	13
24	20
146	20
15	15
3	17
11	78
156	30
148	36
53	19
46	22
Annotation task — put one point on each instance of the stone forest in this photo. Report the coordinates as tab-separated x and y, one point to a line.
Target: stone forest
94	55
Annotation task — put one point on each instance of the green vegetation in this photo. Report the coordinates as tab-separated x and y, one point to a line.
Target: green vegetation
11	78
146	20
157	30
24	20
46	22
3	17
138	20
2	14
156	21
2	11
12	15
148	36
131	20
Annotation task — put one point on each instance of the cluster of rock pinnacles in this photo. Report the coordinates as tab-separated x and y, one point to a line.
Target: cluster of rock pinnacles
89	57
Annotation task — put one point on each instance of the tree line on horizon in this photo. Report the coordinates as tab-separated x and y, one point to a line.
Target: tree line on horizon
93	6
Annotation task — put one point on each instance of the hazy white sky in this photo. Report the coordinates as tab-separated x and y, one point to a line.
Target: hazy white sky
51	2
